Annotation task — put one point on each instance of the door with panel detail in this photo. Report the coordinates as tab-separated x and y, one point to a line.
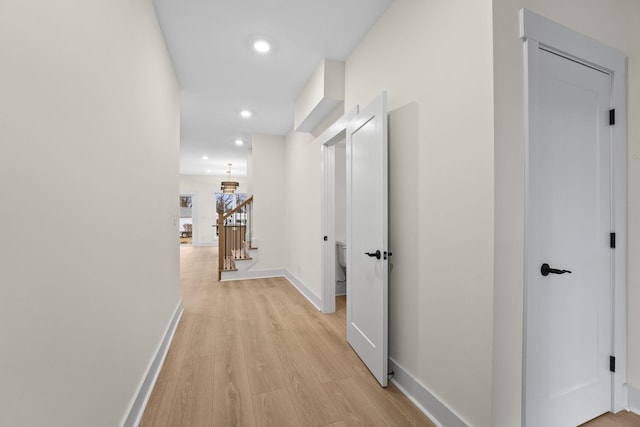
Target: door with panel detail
367	241
568	263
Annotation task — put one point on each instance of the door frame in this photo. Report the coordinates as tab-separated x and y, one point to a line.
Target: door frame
327	140
536	31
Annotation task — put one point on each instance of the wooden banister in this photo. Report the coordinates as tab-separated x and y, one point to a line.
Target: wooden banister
234	246
237	208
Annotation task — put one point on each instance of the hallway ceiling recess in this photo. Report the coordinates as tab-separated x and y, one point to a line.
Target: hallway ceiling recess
211	45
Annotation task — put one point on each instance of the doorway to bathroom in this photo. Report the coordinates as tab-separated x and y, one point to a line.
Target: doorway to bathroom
335	223
334	215
340	215
334	219
340	222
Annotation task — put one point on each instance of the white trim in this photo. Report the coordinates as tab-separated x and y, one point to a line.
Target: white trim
251	274
304	290
326	139
569	42
619	217
424	399
536	30
143	393
634	399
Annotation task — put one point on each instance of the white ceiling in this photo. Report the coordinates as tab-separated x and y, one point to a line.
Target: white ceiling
210	42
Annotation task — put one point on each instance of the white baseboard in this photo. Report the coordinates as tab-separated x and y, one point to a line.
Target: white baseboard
141	398
306	292
634	399
432	407
250	274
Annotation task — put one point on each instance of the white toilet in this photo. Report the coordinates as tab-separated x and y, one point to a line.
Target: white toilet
341	249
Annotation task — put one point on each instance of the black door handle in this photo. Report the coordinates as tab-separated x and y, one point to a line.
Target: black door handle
374	254
545	270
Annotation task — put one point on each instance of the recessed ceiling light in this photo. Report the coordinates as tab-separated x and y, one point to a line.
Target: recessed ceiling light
261	46
245	113
205	157
208	170
239	142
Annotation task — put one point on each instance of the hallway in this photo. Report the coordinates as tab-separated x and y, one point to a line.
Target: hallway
257	353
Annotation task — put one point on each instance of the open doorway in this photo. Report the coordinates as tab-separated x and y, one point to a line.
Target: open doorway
334	281
340	220
185	232
334	227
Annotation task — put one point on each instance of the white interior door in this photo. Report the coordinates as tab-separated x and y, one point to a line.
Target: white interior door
568	315
367	251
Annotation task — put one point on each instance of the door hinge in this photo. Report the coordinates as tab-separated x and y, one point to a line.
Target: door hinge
612	117
612	240
612	363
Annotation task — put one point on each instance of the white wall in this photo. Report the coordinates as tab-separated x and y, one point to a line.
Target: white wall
268	183
89	121
303	209
323	93
204	187
440	313
614	23
434	59
633	182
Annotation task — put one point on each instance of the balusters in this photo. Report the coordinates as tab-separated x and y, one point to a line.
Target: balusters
238	222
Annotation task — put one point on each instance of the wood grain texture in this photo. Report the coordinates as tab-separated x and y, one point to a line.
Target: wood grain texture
261	359
355	408
157	410
312	402
257	353
621	419
193	394
275	409
232	405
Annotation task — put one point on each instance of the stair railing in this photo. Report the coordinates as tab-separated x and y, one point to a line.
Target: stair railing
235	230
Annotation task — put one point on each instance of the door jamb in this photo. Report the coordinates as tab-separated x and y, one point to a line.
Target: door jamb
535	31
335	133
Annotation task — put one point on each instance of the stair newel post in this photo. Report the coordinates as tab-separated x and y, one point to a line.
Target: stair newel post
250	220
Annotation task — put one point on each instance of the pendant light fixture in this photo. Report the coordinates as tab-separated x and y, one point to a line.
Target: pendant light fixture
229	187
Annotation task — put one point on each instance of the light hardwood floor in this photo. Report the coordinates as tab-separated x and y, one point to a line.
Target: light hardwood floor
621	419
257	353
